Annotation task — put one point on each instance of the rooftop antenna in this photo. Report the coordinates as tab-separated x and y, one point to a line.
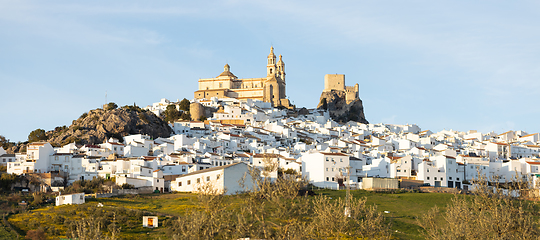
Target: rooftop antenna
105	97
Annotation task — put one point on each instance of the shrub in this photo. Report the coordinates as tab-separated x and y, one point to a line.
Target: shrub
38	234
37	135
491	213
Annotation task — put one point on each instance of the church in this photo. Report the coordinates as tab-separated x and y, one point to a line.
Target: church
268	89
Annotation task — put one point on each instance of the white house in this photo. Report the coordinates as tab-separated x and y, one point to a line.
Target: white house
441	171
325	169
75	198
37	159
154	180
223	180
114	146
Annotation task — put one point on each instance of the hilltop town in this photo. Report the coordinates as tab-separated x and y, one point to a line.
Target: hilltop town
245	133
237	124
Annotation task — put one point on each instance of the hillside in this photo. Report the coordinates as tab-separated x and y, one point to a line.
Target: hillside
98	125
404	208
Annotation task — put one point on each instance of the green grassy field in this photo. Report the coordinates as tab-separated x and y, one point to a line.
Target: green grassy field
403	208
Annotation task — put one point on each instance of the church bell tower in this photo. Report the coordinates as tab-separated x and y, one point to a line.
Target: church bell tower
271	66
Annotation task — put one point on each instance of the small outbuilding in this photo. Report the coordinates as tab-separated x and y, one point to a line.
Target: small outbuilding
75	198
150	221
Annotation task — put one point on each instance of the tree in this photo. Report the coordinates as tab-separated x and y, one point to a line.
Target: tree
171	114
324	104
275	209
185	116
111	106
184	105
490	213
37	135
5	143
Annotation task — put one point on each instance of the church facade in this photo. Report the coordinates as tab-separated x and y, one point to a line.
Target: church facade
268	89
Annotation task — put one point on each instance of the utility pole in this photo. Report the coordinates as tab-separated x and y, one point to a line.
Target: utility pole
347	198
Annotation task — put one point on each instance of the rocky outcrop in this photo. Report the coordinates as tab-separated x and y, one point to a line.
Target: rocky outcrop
335	102
98	125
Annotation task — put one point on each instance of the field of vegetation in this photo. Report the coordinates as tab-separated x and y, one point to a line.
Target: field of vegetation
276	210
126	212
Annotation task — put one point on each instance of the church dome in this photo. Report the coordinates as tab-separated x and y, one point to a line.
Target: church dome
227	72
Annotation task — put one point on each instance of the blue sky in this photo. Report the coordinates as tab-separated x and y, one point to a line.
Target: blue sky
458	65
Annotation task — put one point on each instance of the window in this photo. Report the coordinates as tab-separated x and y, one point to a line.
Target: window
217	177
435	178
332	179
198	180
327	179
208	178
179	184
327	169
458	179
327	159
450	178
188	182
427	178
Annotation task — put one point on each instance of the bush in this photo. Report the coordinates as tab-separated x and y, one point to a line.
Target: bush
38	199
37	135
275	210
38	234
111	106
127	186
490	213
184	105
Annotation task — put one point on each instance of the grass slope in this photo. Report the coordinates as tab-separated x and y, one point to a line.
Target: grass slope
404	208
128	210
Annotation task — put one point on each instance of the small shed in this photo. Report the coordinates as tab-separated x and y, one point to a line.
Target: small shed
150	221
75	198
370	183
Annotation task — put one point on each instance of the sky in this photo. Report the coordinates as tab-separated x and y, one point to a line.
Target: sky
460	65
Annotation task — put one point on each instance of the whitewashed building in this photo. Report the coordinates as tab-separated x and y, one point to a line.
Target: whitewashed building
223	180
75	198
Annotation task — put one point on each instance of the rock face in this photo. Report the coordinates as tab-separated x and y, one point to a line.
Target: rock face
336	104
98	125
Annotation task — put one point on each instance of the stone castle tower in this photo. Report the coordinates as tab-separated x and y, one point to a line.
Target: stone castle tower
336	82
271	88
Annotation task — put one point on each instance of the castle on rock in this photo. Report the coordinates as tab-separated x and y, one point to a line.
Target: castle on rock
268	89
